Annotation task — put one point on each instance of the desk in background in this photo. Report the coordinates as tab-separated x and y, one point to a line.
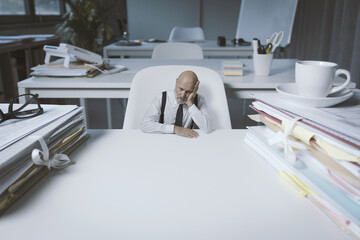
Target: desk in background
210	49
118	85
115	191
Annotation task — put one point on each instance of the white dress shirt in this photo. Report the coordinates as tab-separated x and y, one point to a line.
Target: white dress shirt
197	114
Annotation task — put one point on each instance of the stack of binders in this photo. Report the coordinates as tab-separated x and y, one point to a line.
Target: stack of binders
317	150
30	148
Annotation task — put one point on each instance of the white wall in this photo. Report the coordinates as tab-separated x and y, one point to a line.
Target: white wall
156	18
219	18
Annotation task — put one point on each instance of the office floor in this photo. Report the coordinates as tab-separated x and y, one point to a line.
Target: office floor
97	118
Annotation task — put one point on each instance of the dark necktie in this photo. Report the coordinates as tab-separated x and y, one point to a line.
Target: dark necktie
179	116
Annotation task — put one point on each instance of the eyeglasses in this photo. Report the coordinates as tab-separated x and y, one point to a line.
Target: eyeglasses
21	111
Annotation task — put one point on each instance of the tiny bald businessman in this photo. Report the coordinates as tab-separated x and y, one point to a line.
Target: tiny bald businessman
178	111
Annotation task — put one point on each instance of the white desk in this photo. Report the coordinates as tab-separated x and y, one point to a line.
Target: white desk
210	49
118	85
131	185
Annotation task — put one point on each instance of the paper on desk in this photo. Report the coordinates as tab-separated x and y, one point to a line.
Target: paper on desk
15	129
21	184
57	68
25	164
15	160
19	38
343	118
274	155
6	42
319	131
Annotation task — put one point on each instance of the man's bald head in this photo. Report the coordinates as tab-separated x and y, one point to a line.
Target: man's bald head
188	76
185	84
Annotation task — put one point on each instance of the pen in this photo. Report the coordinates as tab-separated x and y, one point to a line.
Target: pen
268	48
255	45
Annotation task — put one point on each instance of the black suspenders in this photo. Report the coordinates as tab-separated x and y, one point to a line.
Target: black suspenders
163	103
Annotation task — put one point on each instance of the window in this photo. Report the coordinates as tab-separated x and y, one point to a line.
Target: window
47	7
30	11
12	7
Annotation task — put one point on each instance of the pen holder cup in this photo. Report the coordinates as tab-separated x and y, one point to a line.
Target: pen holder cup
262	64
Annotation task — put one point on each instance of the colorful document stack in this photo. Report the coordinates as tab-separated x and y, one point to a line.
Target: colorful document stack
317	150
232	68
30	148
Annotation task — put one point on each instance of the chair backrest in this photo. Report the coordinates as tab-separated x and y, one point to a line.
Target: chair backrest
151	81
187	34
177	50
261	18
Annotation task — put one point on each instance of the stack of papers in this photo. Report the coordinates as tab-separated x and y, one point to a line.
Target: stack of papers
27	38
56	132
18	38
232	68
7	40
317	150
57	69
4	42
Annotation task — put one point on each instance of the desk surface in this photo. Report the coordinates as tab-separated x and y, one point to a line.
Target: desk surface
282	71
210	49
118	85
132	185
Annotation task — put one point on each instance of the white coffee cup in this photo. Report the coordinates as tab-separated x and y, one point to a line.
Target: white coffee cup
262	64
316	78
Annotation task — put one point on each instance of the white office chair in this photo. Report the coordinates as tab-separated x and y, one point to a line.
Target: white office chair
185	34
151	81
177	50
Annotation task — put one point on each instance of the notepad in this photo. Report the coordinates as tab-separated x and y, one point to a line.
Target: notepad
232	68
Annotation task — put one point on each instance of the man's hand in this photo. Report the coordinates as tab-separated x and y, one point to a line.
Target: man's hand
185	132
191	97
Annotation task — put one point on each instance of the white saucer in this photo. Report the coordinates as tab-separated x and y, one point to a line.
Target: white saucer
290	93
